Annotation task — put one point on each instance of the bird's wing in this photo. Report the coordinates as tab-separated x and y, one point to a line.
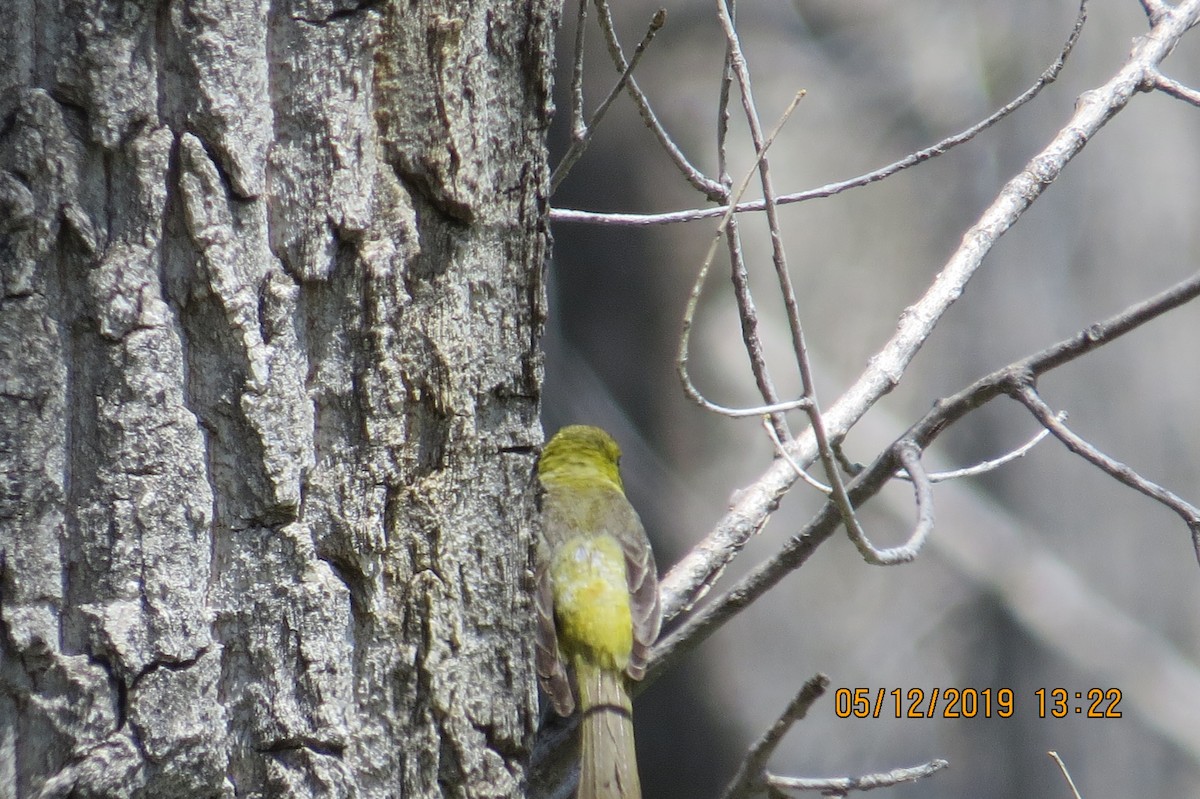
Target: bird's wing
551	673
641	574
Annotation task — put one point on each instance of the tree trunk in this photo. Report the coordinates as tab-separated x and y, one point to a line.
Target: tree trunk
270	306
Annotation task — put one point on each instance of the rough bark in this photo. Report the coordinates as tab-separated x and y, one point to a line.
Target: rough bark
270	300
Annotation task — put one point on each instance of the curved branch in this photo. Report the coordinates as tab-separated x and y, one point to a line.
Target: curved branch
910	459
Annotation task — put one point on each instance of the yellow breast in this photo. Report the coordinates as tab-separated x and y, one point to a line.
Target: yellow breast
591	600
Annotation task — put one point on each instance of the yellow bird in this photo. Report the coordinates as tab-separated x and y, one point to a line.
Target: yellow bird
597	603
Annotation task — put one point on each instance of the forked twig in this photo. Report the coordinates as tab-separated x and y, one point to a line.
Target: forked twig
750	777
693	301
581	134
1028	396
706	186
830	189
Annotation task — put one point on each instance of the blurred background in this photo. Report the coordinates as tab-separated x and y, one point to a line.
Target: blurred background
1043	574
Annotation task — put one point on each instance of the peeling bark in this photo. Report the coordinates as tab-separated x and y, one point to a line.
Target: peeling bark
270	302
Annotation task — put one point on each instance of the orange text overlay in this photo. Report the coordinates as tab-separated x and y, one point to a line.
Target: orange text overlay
969	703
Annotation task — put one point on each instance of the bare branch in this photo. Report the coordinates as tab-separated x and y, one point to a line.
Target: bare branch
782	452
578	128
1063	768
796	551
750	776
1155	9
830	189
1175	88
747	312
581	136
748	318
706	186
695	573
689	313
1029	397
723	113
991	465
983	467
737	60
840	786
910	458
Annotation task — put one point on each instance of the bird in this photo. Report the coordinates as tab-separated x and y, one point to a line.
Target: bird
597	603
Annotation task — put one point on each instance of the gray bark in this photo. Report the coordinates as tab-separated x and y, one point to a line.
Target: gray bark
270	305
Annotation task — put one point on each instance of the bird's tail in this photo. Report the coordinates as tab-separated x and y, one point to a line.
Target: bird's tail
608	762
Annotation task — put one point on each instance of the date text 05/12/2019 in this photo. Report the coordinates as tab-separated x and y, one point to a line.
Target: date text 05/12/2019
968	703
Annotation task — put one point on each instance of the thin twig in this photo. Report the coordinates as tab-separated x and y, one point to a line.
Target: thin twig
840	786
693	301
577	125
852	468
782	452
1028	396
748	317
991	465
747	312
749	778
910	458
737	59
983	467
723	114
706	186
1063	768
831	189
582	136
741	71
1175	89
